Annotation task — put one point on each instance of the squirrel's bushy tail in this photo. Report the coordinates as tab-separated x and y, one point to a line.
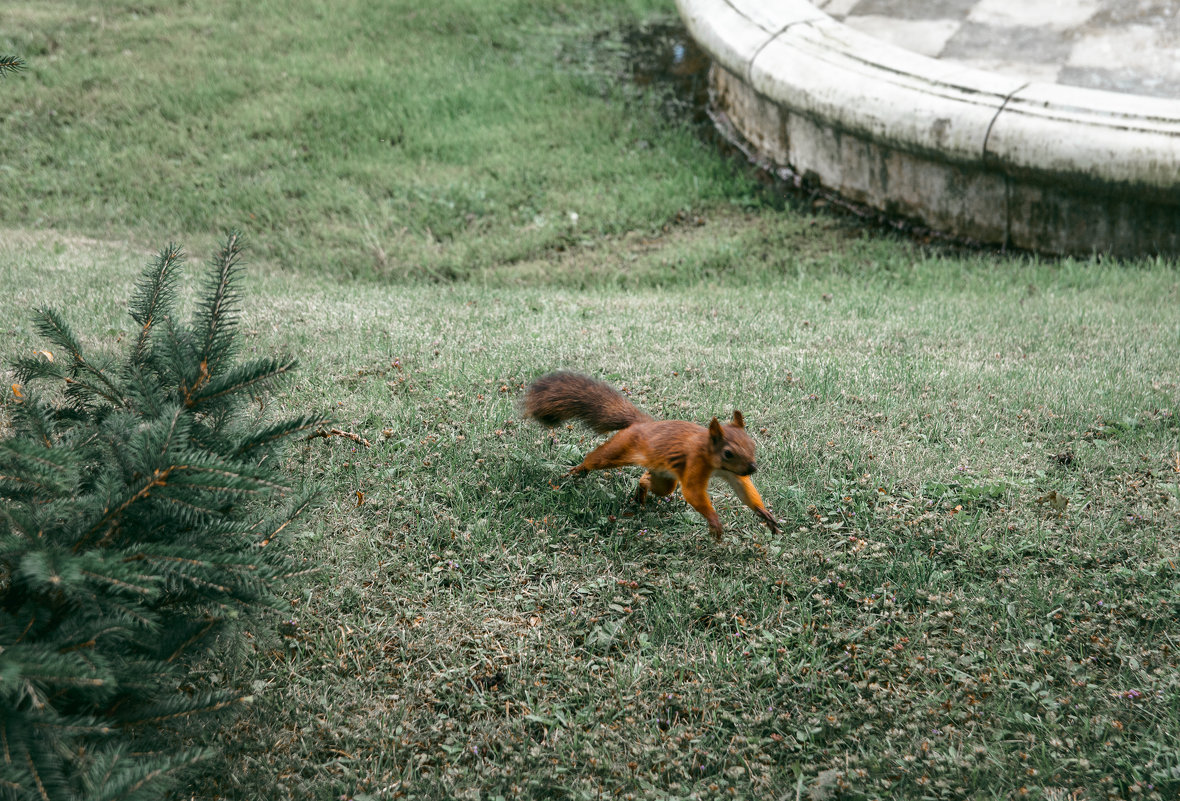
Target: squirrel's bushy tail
554	398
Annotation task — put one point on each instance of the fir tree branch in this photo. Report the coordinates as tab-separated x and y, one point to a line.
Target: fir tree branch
110	516
115	775
71	681
51	325
160	477
192	514
32	620
36	417
80	728
22	486
190	577
84	646
36	776
210	706
173	425
279	431
195	638
27	467
82	387
27	369
290	518
153	296
11	64
120	584
215	326
7	750
199	471
133	613
242	378
150	776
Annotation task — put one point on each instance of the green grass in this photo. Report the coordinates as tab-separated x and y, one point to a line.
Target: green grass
352	137
926	626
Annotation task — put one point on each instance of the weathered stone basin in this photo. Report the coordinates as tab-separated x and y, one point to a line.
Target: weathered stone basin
994	158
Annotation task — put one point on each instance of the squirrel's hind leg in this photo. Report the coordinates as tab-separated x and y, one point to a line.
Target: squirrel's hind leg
618	451
656	484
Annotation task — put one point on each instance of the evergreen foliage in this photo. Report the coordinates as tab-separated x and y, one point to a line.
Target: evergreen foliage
139	504
10	64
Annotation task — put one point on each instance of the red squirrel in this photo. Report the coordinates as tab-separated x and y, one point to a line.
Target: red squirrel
675	452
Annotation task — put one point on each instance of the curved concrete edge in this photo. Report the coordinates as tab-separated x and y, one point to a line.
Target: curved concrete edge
1125	140
973	153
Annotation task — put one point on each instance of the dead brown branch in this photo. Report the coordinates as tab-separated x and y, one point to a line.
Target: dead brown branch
324	433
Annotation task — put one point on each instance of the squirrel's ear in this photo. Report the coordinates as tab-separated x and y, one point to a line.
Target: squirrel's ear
716	435
738	420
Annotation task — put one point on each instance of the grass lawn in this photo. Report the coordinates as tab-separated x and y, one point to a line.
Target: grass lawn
928	624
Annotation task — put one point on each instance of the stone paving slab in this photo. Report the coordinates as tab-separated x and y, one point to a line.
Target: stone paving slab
1129	46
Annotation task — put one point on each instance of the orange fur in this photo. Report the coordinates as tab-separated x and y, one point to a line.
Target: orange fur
674	452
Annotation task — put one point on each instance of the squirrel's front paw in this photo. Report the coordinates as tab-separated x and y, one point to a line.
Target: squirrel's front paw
771	523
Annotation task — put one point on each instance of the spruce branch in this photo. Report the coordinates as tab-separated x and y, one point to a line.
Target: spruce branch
84	391
51	325
36	774
178	424
239	379
119	584
216	323
27	369
181	707
293	514
119	775
154	295
226	480
11	64
279	431
110	516
37	421
195	638
31	466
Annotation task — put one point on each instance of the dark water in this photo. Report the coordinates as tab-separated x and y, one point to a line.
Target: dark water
661	59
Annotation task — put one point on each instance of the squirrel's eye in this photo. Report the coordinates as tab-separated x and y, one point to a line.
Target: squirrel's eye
727	454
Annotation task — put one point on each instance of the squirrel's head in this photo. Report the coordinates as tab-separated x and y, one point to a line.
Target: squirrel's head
733	446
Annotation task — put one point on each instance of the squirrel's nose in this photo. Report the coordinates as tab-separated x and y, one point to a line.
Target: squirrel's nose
752	470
